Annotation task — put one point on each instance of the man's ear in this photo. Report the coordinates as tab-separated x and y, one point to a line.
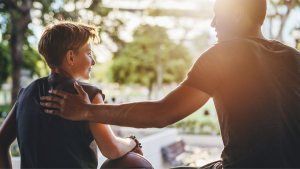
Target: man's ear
240	14
70	57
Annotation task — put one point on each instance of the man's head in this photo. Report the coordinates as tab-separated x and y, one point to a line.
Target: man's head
236	18
70	43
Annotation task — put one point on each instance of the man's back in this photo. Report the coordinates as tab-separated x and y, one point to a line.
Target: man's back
48	141
255	84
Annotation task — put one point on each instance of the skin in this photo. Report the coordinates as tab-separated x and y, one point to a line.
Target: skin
230	21
8	133
77	65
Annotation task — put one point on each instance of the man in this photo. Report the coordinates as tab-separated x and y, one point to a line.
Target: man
255	84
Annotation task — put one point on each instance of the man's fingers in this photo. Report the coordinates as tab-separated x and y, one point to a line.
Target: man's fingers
53	112
52	98
51	105
59	93
79	89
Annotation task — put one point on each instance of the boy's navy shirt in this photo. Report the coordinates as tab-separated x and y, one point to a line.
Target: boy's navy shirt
255	84
48	141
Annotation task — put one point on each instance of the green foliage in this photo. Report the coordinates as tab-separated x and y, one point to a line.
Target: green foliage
51	10
201	42
32	62
137	61
101	71
4	63
14	149
203	126
180	13
292	3
5	108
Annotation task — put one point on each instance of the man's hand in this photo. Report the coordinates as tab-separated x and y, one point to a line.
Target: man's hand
70	106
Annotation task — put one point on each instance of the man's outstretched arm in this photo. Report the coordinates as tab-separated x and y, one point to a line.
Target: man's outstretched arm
178	104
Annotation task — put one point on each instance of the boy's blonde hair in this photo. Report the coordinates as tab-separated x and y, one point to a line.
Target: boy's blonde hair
59	38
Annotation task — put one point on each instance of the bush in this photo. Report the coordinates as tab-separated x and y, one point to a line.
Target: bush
205	126
5	108
14	149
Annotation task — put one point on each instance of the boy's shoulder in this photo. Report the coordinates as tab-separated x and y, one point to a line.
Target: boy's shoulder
36	83
90	89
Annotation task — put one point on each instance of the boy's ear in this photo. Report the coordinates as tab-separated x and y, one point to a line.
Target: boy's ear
70	57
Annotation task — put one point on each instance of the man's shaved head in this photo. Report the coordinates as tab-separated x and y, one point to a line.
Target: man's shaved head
238	18
257	9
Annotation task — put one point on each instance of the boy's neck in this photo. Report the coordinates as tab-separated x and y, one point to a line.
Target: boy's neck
61	71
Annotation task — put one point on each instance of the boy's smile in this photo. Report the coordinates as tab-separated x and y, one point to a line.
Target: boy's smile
83	62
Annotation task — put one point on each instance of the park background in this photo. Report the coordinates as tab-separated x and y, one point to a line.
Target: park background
146	49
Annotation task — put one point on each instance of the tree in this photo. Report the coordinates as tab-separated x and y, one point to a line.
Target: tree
31	62
182	20
47	11
282	5
20	18
201	42
4	63
137	61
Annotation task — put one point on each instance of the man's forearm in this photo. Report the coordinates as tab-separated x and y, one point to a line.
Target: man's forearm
178	104
139	114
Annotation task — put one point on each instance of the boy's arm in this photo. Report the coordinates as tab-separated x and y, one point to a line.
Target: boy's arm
110	146
8	133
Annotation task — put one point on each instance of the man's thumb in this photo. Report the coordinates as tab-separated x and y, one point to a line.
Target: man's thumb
79	89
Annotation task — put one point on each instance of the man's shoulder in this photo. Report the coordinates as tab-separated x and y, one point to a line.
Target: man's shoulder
236	43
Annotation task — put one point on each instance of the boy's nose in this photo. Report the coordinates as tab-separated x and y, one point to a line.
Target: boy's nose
93	62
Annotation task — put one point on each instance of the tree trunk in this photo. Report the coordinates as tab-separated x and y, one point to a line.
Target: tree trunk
16	46
283	21
290	5
159	73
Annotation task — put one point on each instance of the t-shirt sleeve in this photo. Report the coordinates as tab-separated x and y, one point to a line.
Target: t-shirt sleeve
205	74
92	91
20	93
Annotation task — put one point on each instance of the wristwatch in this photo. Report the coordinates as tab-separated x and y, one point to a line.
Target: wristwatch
138	144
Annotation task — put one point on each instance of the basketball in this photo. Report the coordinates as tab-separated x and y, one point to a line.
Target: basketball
130	160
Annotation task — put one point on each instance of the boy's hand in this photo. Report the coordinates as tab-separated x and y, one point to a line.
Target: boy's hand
70	106
138	151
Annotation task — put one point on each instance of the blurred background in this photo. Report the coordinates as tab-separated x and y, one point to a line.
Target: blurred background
146	49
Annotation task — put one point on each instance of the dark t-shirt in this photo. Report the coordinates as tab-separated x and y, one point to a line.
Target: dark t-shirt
255	85
48	141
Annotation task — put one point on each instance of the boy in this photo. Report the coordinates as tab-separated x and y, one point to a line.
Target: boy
47	141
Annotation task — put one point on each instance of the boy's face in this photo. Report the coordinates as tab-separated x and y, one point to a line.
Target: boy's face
83	62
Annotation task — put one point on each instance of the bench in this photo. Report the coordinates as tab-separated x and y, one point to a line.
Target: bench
176	154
